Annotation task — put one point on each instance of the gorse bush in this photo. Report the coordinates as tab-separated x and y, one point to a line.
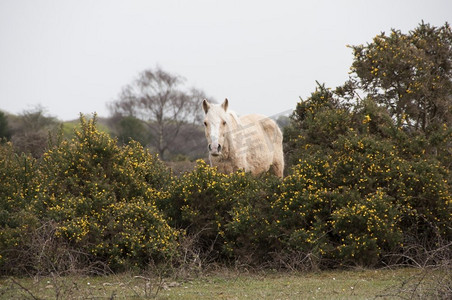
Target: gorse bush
353	202
225	212
249	236
364	190
19	181
104	197
339	206
101	197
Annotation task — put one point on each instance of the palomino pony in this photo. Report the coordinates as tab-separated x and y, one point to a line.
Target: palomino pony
252	143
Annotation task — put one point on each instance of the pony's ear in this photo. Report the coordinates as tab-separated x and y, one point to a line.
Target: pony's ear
205	105
225	104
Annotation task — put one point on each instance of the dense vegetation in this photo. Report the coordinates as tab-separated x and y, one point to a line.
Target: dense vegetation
368	183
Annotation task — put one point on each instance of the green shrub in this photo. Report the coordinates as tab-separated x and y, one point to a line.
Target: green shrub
227	213
358	194
19	184
103	198
248	234
199	204
366	228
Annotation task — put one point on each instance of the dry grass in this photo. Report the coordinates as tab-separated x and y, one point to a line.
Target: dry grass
404	283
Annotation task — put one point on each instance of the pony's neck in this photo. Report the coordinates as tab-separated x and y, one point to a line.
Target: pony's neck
230	142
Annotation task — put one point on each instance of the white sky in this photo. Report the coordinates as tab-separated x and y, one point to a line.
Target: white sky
75	56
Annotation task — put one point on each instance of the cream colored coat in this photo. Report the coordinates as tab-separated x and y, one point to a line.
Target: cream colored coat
252	143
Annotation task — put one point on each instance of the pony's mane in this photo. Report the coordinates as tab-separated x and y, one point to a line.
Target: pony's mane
233	115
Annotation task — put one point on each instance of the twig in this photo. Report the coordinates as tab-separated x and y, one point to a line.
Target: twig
24	288
146	281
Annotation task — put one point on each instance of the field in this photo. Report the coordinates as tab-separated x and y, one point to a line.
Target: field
228	284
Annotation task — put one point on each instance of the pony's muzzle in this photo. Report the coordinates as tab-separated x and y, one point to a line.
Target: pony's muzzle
216	150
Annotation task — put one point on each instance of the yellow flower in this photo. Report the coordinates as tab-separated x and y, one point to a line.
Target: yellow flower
366	119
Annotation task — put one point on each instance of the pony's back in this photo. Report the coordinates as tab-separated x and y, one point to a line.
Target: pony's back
264	141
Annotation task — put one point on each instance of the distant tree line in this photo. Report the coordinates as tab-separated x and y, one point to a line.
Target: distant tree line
154	110
29	131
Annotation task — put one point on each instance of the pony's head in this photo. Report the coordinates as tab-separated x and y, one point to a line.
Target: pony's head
216	125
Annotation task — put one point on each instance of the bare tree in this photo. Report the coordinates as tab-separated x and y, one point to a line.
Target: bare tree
5	130
158	99
30	130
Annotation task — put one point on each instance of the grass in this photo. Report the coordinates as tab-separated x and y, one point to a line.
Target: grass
227	284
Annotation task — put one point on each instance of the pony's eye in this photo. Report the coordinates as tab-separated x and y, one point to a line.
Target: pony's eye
224	122
205	124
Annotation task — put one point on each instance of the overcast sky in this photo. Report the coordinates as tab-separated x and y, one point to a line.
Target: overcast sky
75	56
